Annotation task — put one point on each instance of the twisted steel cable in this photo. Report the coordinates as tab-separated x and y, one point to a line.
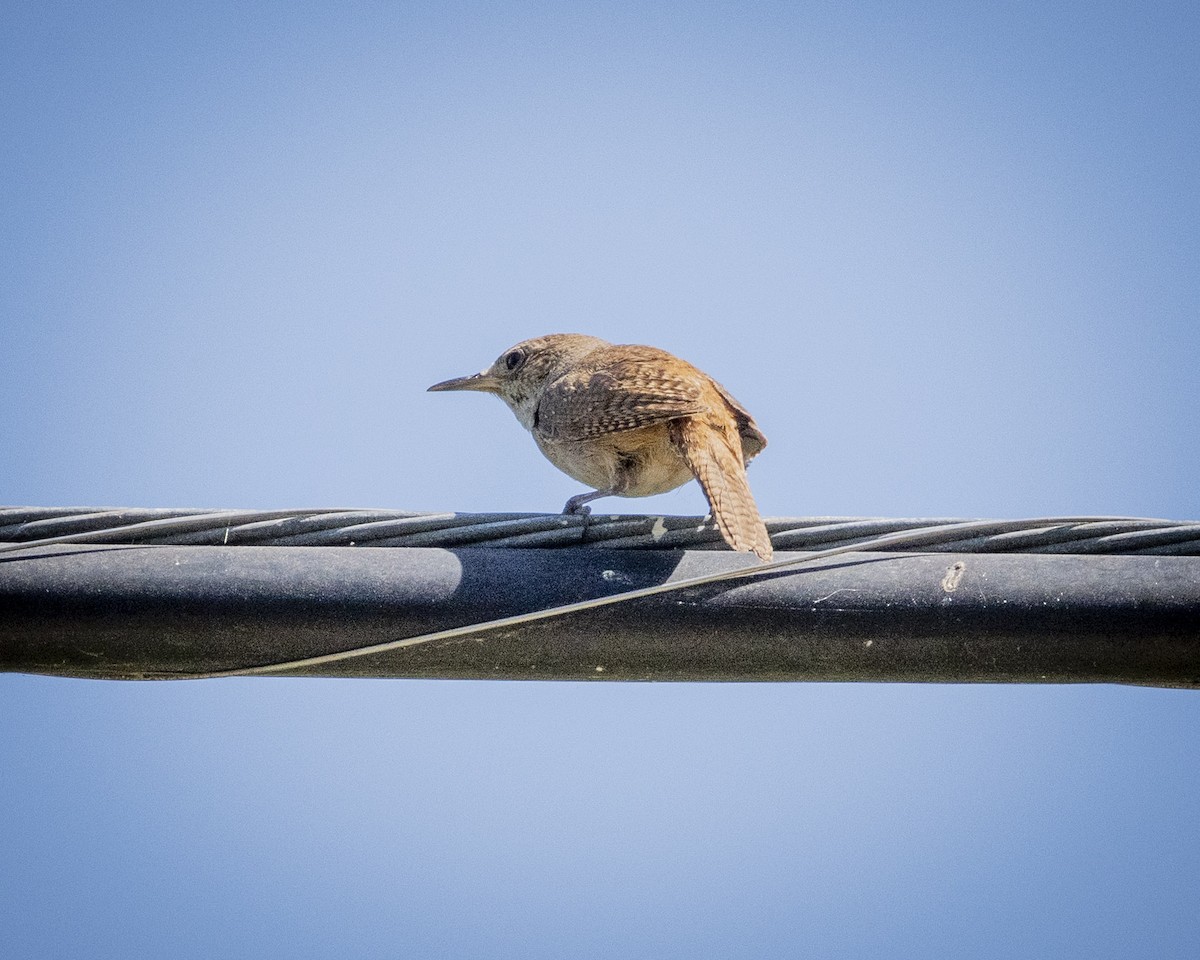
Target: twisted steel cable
25	527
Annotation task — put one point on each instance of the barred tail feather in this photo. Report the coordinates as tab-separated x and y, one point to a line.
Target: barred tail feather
714	455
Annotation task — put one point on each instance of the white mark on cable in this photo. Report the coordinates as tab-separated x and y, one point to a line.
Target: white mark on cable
954	576
835	593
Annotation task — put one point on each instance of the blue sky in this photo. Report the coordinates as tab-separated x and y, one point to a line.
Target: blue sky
945	253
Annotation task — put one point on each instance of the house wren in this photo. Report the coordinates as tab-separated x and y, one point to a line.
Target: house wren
631	421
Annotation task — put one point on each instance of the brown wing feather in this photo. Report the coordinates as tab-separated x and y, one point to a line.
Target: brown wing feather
753	439
620	388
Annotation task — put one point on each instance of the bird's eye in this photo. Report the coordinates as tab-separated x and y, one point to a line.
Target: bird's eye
513	359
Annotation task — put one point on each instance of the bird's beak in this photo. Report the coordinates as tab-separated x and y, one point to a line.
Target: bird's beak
484	382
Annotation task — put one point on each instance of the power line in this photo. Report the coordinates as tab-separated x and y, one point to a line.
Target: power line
961	609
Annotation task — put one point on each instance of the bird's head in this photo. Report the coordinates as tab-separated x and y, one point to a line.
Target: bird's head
520	372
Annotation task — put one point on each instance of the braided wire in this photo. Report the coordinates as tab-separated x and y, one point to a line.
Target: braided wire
24	527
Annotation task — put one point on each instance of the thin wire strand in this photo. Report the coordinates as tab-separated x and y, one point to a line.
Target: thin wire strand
26	528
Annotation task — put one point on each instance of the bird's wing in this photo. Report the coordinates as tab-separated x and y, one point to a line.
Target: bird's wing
753	439
630	387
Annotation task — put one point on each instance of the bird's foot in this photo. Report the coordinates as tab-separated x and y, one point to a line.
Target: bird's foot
577	506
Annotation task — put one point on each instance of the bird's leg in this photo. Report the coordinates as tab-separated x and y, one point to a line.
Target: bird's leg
576	505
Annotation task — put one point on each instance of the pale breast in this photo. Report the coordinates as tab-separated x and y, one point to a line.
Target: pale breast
631	463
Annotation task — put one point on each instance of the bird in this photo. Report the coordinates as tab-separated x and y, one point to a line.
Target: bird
631	421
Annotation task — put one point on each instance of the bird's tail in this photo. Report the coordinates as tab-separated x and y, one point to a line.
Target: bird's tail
714	454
